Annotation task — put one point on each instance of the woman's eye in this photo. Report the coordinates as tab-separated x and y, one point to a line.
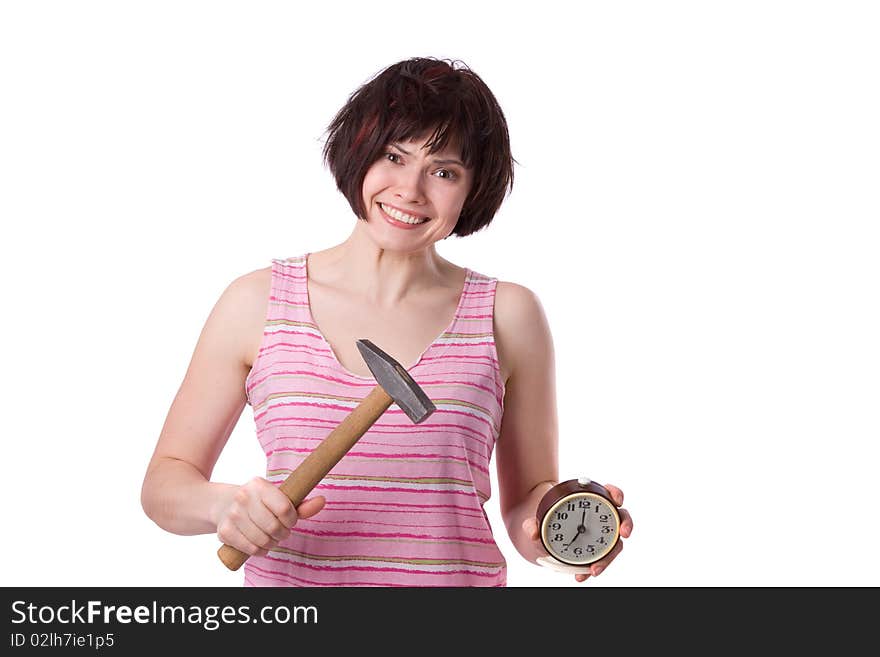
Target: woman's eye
446	174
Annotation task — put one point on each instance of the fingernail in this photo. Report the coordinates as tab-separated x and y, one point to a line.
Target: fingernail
597	571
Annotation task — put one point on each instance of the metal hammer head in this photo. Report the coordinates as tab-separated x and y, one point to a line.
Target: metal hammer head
397	382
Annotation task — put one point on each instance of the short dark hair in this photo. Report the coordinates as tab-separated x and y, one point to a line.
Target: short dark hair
405	101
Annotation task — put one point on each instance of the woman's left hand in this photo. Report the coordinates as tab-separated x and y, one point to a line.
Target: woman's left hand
530	526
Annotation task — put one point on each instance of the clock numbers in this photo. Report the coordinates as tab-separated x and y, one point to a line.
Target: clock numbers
580	528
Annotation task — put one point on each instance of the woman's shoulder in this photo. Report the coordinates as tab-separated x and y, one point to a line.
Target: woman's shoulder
515	303
242	311
242	305
520	324
252	284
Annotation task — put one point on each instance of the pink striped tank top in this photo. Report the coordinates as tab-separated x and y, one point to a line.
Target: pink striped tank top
405	505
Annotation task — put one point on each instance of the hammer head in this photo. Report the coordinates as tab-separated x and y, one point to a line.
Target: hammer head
397	382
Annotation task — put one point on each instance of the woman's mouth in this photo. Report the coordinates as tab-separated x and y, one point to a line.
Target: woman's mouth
398	217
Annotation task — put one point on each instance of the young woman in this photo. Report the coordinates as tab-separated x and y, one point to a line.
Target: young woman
420	152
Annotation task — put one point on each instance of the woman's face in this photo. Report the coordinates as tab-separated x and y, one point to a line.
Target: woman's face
414	199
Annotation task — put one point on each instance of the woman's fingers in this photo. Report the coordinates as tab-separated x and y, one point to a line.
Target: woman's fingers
626	523
241	533
530	527
268	521
616	494
311	506
259	516
597	568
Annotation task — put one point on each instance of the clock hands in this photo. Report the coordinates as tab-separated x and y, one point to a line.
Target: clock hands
581	529
561	529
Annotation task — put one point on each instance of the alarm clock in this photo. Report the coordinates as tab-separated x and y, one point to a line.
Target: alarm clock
579	524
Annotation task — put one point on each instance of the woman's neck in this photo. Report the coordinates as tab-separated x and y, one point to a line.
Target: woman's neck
380	276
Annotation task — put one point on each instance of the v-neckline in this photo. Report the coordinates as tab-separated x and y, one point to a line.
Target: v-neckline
311	318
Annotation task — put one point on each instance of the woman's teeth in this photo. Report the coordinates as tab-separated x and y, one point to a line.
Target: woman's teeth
400	216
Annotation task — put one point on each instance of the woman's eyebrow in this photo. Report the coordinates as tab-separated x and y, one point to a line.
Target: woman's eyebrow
406	152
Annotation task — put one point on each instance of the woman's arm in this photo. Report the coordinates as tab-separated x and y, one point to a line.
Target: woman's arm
177	492
527	449
526	452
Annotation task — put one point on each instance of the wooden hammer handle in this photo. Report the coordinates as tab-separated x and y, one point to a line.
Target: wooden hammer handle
322	459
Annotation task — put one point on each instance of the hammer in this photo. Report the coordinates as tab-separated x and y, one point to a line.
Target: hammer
394	384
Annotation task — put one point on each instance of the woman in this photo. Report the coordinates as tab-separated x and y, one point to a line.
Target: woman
420	152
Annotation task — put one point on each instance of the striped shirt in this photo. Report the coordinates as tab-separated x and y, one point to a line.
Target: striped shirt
405	504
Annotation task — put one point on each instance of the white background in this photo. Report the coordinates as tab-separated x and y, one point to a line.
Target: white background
696	205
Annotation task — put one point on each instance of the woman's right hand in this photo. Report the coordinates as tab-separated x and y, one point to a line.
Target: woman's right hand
257	516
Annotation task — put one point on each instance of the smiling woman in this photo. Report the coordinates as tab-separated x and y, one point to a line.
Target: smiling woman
417	193
420	152
422	101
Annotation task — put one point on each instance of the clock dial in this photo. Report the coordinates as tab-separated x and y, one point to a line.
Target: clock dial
580	528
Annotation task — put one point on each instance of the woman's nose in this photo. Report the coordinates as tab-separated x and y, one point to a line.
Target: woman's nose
409	185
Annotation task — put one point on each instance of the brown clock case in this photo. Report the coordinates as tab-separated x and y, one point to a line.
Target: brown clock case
563	489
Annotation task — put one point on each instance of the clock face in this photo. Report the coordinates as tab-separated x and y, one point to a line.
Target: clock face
580	528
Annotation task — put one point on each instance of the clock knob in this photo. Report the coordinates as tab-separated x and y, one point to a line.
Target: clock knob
584	481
